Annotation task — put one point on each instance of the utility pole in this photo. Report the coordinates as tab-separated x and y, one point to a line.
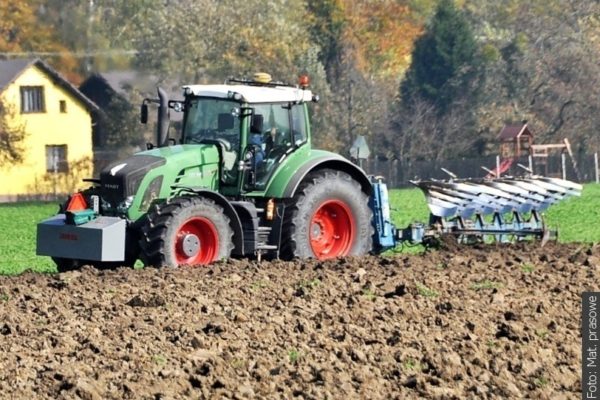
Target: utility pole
350	108
88	37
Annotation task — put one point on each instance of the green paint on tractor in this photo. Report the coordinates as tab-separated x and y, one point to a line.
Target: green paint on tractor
194	166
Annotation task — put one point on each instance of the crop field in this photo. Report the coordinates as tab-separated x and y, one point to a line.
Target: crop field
578	220
378	327
482	321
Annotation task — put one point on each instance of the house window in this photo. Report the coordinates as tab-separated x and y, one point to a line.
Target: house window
56	158
63	106
32	99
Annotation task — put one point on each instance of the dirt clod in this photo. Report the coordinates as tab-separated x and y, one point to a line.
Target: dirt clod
464	322
146	301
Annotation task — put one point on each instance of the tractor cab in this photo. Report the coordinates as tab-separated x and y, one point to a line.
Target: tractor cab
255	124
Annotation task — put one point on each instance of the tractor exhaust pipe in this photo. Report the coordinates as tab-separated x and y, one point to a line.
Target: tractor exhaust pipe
162	129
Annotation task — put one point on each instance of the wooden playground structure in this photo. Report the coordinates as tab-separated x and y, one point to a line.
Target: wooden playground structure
517	140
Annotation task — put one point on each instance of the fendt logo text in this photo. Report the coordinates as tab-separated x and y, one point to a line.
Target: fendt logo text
68	236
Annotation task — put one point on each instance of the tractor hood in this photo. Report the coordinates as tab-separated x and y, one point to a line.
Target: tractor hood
124	183
122	178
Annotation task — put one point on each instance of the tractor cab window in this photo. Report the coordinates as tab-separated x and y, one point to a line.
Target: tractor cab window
299	134
208	120
273	142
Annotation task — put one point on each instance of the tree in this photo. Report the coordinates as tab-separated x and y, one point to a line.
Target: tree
363	47
121	120
22	31
443	59
543	65
381	35
202	39
100	31
435	112
12	136
435	117
326	26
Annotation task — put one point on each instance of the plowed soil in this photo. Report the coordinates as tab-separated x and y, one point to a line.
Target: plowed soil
472	322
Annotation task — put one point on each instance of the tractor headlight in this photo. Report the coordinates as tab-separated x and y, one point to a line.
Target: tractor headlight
125	204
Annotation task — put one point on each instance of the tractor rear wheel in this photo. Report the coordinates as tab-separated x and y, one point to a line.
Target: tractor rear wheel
329	217
185	231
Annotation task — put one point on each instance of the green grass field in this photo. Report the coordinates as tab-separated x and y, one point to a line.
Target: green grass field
578	220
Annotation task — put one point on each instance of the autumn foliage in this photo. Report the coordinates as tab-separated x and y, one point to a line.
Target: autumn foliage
484	64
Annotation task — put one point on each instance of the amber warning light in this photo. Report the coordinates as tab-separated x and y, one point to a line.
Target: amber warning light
303	81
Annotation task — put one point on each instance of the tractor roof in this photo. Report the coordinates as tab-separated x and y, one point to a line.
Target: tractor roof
252	93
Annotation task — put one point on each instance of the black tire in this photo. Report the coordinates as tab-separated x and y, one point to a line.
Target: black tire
332	193
185	230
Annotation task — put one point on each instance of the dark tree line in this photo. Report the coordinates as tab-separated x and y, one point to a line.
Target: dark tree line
420	79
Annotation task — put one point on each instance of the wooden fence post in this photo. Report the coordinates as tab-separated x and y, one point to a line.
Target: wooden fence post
497	166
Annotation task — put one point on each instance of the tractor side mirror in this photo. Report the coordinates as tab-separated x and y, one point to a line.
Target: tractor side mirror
144	113
256	124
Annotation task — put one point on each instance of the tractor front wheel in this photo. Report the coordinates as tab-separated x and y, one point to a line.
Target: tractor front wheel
185	231
329	217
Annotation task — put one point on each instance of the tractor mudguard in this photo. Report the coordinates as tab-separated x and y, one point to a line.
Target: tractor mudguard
328	161
236	224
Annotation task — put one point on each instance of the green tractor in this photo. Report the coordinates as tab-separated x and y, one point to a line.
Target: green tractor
242	180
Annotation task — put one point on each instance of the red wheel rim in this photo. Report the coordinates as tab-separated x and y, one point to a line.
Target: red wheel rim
196	242
332	230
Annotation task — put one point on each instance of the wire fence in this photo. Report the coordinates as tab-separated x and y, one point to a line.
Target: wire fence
398	174
395	173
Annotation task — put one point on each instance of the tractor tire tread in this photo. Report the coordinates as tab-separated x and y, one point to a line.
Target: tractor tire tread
154	233
292	245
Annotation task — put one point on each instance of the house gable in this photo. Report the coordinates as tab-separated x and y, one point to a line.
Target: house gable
58	135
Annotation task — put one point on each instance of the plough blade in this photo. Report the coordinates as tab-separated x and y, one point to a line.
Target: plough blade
485	197
498	208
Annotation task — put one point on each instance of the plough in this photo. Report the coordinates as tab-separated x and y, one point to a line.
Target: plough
498	210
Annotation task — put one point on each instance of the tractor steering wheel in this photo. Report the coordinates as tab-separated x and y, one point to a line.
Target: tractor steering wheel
223	143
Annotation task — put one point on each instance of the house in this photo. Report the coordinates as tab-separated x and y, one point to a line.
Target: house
122	87
56	119
118	95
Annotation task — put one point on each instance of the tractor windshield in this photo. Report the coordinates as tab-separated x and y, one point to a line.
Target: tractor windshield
209	118
214	119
